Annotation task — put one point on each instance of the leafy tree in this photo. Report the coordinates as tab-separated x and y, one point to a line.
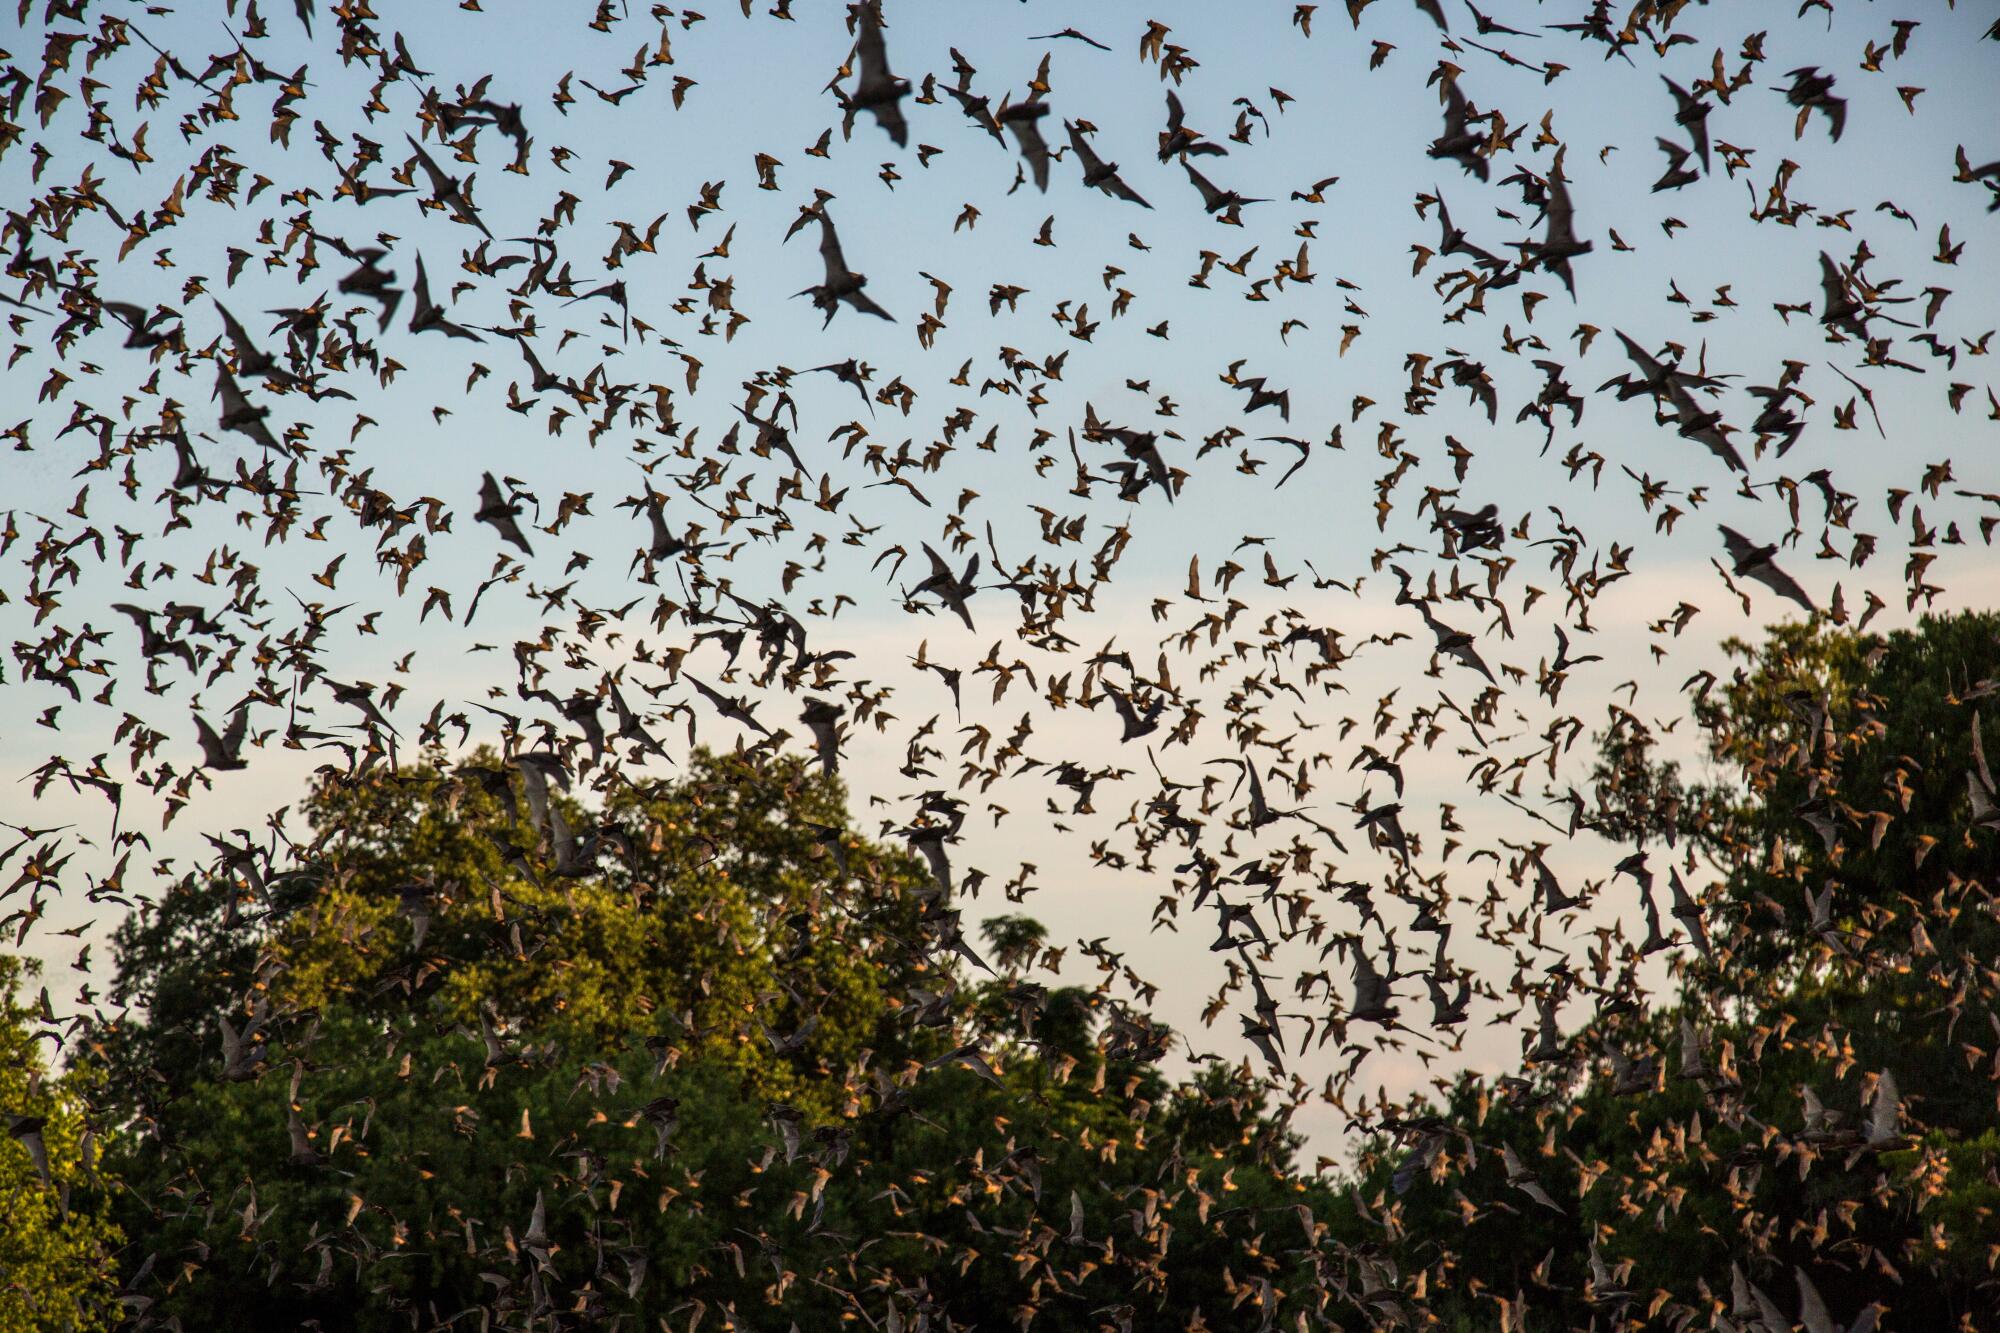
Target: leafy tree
725	1079
749	1071
55	1240
1851	930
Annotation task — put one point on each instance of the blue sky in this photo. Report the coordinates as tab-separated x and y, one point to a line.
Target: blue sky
759	88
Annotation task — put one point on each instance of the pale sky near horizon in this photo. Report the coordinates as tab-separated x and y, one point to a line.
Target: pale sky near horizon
759	88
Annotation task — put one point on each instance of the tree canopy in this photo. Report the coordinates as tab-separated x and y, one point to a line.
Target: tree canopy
56	1244
1821	1099
560	560
425	1078
739	1064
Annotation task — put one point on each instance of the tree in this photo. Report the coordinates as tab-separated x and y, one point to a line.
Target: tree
55	1240
698	1081
1821	1099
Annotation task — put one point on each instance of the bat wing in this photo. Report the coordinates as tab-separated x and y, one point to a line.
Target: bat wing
837	271
421	289
866	305
890	117
874	55
1081	146
1778	581
1035	149
1832	282
1740	548
1121	190
1211	198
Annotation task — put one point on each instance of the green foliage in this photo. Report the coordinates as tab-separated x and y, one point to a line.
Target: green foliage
1848	758
733	1080
707	1063
55	1239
